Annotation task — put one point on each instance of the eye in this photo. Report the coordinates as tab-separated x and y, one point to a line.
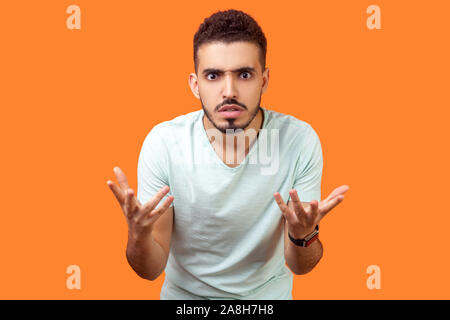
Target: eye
211	74
246	73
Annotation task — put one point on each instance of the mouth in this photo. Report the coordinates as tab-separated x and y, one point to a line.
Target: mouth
230	111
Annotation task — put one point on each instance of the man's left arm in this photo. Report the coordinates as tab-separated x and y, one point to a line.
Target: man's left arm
301	219
301	260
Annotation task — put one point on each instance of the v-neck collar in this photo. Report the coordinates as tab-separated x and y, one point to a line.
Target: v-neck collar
252	149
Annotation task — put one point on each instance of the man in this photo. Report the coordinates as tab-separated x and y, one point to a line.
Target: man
207	213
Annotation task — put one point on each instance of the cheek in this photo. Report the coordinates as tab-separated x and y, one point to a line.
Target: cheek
251	95
253	88
208	90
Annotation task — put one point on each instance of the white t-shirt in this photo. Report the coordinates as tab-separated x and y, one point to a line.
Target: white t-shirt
228	235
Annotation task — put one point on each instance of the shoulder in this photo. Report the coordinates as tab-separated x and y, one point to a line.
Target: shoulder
175	127
291	127
184	120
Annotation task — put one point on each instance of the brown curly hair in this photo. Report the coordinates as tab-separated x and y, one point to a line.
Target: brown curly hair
230	26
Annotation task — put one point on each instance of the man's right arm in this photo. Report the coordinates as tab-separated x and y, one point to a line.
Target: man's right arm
149	227
148	254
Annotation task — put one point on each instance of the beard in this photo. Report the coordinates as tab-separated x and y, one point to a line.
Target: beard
231	126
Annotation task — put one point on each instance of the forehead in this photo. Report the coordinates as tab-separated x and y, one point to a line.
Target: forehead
227	56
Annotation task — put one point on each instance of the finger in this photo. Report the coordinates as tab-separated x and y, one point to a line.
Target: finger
153	202
136	203
298	208
129	203
285	210
326	206
155	214
121	178
314	207
118	193
132	200
339	190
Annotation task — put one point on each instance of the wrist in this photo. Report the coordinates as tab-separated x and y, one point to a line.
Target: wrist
306	240
138	238
302	235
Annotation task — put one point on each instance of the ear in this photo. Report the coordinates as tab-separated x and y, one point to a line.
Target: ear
265	77
193	83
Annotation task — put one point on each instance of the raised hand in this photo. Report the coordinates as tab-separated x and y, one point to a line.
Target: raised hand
302	220
140	218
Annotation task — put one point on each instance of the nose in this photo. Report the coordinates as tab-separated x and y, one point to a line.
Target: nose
229	89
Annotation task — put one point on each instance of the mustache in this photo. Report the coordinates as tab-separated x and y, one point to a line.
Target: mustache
231	101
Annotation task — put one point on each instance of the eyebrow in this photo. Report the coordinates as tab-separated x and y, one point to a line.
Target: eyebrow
214	70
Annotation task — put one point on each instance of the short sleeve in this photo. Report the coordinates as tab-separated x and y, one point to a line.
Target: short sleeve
152	171
308	175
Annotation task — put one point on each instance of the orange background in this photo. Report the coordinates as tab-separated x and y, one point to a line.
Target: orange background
76	103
